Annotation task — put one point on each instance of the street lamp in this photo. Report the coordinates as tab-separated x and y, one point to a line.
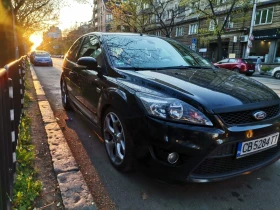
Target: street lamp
249	43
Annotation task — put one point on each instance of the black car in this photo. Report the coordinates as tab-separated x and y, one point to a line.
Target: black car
161	107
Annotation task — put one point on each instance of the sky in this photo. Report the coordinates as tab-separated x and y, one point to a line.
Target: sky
73	13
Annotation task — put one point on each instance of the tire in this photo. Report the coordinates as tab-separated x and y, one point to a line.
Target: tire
277	75
117	140
249	74
236	70
66	103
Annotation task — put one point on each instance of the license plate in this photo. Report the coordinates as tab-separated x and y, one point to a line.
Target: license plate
251	70
257	145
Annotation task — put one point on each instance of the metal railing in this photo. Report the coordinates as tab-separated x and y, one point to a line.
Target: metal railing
11	107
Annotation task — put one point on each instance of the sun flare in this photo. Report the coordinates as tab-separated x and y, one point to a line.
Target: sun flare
36	39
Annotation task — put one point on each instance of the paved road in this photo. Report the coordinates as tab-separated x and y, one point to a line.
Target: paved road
259	190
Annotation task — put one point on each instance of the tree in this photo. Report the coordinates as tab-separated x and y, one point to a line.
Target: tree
127	14
212	11
7	41
166	13
143	15
32	16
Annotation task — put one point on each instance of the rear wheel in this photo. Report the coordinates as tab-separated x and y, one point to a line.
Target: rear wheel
236	70
64	96
117	139
277	75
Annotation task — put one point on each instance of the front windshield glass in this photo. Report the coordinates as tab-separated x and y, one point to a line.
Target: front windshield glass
42	54
128	51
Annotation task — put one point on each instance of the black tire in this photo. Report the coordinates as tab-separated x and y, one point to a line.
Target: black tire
236	70
112	139
66	103
277	75
249	74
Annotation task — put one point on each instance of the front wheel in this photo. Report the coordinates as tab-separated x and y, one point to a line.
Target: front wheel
236	70
64	96
277	75
118	142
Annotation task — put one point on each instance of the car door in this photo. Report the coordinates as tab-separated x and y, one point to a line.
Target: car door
222	63
91	79
70	68
232	63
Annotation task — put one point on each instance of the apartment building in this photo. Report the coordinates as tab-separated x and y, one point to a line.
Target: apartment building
102	16
266	32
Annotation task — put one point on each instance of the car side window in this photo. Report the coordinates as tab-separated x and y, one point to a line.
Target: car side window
90	47
72	53
223	61
232	61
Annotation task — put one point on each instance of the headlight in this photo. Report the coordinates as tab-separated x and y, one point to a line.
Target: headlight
172	109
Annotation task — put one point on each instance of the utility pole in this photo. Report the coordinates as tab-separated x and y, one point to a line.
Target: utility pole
249	43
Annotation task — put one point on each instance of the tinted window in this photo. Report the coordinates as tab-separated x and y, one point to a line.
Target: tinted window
73	51
150	52
248	61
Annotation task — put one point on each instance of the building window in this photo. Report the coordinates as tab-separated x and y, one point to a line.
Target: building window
169	14
229	24
156	19
109	18
179	31
264	16
158	33
212	25
193	28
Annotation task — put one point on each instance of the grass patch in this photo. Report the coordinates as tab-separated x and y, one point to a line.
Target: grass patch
27	187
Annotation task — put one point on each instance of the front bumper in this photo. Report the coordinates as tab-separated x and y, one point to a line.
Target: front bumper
206	154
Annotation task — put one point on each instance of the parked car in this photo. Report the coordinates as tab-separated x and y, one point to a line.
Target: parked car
244	66
161	107
41	58
275	72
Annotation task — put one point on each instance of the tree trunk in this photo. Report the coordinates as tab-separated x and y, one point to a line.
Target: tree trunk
220	50
7	52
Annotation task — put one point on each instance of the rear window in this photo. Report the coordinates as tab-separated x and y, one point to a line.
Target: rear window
248	61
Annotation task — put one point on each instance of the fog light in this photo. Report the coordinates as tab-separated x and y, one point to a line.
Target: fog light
173	157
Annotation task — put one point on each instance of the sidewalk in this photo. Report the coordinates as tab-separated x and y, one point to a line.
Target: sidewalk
74	191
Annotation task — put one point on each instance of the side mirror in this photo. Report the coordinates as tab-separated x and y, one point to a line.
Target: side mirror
89	62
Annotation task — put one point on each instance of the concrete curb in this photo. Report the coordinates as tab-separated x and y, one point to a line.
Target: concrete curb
74	191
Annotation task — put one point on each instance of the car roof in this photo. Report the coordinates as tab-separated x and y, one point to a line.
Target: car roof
118	33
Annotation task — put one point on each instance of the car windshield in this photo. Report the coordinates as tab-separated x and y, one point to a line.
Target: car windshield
42	54
128	51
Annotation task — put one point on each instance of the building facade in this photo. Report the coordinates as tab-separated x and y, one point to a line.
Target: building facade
265	39
102	16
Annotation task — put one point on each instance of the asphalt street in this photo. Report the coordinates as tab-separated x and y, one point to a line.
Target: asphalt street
259	190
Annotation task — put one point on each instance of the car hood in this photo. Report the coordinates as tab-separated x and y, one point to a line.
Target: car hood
213	89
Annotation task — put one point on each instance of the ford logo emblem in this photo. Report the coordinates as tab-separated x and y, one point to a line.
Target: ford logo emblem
259	115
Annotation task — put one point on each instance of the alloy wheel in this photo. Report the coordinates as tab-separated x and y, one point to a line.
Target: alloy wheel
114	138
277	75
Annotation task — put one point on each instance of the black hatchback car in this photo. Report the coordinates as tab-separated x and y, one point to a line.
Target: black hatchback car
160	106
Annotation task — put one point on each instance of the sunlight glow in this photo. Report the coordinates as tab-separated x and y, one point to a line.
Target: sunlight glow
36	39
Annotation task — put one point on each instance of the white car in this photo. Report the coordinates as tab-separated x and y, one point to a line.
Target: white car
275	72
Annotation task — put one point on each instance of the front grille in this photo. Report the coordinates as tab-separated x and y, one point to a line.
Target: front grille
222	166
236	118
